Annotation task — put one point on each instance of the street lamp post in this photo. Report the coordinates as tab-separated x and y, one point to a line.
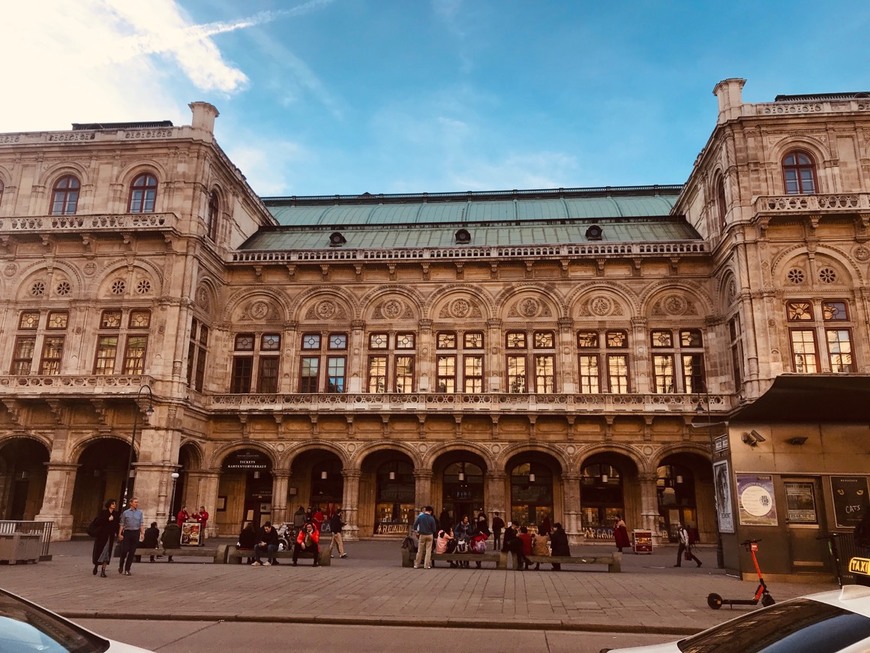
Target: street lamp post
175	476
148	412
705	409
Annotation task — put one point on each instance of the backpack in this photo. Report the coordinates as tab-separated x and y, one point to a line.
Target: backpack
94	527
479	546
462	546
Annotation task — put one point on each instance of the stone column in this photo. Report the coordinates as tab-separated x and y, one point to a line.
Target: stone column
423	487
350	504
280	485
649	507
495	494
152	486
571	493
60	482
208	495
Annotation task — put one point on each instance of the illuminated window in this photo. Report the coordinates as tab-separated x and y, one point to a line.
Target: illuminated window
677	360
459	362
115	335
531	367
391	362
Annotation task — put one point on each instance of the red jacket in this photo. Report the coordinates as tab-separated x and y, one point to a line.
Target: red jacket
526	539
315	535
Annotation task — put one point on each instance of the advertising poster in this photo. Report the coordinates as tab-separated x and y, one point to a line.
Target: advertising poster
755	500
190	533
724	508
850	499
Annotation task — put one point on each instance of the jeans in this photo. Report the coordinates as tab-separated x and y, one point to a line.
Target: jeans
269	548
424	546
128	549
311	548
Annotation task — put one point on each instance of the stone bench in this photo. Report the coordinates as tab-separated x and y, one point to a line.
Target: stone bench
234	555
500	559
612	560
186	552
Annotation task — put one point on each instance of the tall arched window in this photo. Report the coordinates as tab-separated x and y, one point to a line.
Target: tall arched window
65	196
721	207
143	192
213	212
799	173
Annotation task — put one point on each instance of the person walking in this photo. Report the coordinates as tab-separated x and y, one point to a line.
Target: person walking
132	531
104	529
267	543
425	526
497	528
685	547
308	540
620	534
335	525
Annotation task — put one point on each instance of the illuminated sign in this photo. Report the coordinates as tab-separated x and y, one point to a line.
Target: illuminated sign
859	566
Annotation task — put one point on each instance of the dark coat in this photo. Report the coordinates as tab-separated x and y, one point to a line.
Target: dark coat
151	539
247	538
559	543
107	531
171	537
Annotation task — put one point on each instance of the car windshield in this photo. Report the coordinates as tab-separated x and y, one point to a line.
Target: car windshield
26	627
799	626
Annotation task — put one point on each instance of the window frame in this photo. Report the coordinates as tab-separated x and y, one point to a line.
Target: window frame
531	366
799	184
65	195
143	193
252	355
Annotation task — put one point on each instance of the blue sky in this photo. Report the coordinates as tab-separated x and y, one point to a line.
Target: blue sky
392	96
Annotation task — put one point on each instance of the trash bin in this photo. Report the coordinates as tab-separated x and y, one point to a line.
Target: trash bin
641	541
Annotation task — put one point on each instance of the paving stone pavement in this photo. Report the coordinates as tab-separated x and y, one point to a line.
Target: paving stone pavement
371	587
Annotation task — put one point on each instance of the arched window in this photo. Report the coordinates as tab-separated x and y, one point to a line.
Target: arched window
65	196
799	173
720	201
213	212
143	192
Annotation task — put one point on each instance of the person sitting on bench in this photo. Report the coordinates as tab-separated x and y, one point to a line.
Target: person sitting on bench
308	540
268	543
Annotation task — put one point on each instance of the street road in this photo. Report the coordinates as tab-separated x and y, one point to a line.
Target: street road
226	637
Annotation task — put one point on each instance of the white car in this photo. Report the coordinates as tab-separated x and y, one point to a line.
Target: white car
829	622
25	626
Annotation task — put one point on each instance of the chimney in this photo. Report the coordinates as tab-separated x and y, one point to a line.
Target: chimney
203	116
730	94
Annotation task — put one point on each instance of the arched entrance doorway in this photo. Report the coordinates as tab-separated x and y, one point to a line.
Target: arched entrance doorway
605	480
460	475
316	479
22	478
387	481
532	477
188	460
245	488
677	494
100	476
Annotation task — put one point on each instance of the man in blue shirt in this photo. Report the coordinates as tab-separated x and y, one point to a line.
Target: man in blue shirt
425	525
132	531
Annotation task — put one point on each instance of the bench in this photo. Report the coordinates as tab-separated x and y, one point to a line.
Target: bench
500	559
186	552
233	555
613	560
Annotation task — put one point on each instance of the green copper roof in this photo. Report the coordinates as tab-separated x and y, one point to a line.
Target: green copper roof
502	218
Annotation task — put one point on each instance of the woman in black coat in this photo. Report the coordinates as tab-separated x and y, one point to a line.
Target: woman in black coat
559	544
105	530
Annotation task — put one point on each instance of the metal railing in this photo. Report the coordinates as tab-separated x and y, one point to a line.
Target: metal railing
41	528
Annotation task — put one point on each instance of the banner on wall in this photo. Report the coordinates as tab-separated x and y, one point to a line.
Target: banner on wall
755	500
850	499
724	508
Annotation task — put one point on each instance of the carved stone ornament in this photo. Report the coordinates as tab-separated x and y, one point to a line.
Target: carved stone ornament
10	270
325	310
258	310
460	308
600	306
392	309
862	253
202	298
89	269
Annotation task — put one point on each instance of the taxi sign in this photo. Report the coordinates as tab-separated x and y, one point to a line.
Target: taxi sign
859	566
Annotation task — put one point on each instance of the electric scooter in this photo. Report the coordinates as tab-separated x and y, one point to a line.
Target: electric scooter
715	601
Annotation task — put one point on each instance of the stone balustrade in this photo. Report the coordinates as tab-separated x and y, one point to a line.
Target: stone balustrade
835	202
47	224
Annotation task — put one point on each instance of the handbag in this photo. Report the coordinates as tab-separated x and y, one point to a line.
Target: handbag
688	554
94	527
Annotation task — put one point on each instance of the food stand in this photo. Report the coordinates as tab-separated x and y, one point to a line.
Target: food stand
641	541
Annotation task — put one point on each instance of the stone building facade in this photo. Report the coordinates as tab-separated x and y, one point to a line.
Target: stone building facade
571	353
